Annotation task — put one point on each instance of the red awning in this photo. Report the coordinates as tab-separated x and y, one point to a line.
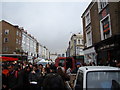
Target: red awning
8	59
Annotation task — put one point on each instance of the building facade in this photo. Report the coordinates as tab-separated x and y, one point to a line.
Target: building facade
16	40
11	38
91	35
43	52
75	47
53	56
101	28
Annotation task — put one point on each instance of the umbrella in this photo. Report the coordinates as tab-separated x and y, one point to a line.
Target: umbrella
8	59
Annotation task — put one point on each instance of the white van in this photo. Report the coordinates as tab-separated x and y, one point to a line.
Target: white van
97	77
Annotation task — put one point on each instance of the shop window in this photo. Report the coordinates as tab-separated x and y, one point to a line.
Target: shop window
6	31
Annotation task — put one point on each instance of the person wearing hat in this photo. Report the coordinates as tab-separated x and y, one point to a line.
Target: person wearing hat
78	64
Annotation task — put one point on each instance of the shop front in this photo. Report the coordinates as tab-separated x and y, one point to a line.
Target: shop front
89	55
108	50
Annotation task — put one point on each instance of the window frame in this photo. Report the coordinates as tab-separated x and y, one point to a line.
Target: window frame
103	5
87	20
101	27
17	32
17	40
88	39
7	31
5	49
6	39
98	71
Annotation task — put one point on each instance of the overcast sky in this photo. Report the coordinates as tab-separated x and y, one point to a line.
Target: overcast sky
51	23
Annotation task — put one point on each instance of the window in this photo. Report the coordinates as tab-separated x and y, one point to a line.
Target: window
5	39
17	40
5	49
102	4
79	82
82	42
20	34
105	28
78	41
103	80
6	31
87	19
89	37
17	33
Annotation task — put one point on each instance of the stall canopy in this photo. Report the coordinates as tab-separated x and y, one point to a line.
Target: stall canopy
8	59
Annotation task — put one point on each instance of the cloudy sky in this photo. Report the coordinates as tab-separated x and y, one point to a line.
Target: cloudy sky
51	23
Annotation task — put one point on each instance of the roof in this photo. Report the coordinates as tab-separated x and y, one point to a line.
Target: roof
98	68
87	9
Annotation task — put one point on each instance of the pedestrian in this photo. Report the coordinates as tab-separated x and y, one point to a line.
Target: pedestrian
53	81
4	77
40	67
64	75
47	68
68	71
34	77
26	84
13	80
78	64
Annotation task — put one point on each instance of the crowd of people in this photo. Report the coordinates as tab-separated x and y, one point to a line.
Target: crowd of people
28	76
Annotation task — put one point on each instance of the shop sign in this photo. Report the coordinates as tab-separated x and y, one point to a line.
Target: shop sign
106	46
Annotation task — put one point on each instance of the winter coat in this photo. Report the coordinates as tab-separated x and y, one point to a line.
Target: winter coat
53	81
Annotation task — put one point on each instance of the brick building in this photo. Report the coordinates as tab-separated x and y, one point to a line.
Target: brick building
75	47
11	38
101	28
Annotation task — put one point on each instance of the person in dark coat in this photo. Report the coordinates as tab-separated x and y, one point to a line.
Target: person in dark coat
26	83
53	81
78	64
14	79
34	77
64	76
4	78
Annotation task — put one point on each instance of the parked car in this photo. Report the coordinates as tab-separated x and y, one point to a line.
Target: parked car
97	77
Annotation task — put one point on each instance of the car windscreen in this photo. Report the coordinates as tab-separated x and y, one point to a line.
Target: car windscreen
103	80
